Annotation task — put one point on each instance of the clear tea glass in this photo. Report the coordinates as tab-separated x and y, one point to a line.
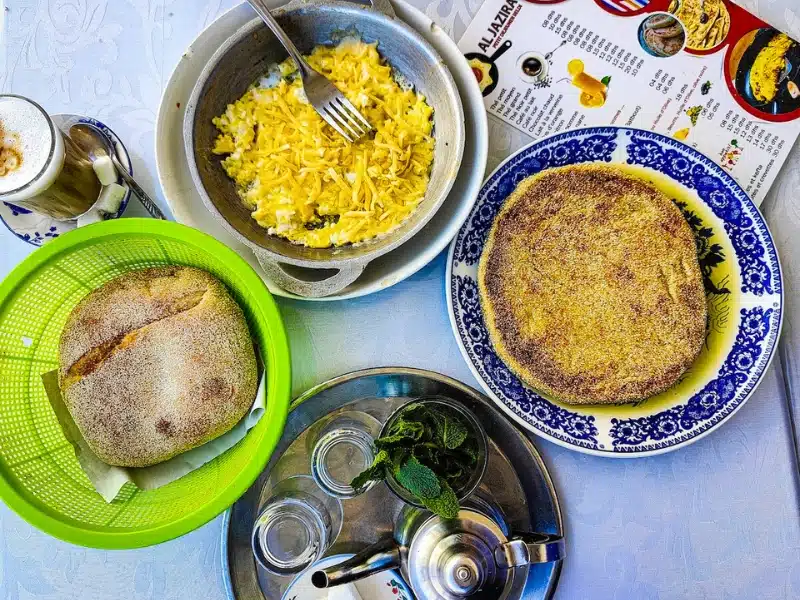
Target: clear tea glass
341	450
297	525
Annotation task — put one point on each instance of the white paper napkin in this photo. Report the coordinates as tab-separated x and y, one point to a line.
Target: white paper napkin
108	480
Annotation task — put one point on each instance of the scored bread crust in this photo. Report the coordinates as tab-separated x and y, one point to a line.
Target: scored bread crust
154	363
591	287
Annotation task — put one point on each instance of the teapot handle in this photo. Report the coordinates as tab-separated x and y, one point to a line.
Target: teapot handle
530	548
381	556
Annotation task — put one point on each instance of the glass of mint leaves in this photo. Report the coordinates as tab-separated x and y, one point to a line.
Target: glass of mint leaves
432	453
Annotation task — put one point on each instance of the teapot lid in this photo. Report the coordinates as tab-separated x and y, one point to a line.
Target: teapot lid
453	559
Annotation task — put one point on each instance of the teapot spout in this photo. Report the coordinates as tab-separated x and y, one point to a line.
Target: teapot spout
381	556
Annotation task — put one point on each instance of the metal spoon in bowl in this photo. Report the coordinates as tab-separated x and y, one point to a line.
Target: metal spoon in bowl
97	145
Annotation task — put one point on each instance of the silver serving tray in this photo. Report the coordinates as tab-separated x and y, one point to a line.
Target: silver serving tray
516	478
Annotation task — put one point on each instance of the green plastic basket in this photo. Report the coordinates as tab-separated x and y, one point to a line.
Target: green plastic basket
40	477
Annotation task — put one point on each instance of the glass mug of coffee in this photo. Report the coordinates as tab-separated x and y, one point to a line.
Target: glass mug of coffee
41	168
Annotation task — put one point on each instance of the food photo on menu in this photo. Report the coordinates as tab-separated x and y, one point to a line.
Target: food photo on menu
204	357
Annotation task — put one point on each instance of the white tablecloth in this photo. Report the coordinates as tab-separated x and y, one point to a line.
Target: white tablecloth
717	520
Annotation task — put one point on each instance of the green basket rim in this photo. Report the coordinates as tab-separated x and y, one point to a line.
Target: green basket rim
278	387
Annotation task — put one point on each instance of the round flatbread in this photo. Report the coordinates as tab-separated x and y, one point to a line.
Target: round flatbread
591	287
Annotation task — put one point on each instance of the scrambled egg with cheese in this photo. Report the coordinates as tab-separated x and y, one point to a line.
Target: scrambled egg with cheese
768	67
304	181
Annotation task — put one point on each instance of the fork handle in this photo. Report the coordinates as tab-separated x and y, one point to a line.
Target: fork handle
261	8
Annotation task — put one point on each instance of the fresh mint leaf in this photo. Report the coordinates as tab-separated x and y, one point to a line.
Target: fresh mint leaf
454	472
470	453
455	433
360	480
376	471
467	454
417	408
418	479
399	456
427	453
450	430
439	422
410	427
431	451
402	432
445	504
388	441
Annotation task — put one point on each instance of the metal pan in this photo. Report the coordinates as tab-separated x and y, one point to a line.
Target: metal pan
490	60
244	58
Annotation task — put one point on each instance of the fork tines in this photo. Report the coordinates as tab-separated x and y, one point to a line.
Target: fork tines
340	114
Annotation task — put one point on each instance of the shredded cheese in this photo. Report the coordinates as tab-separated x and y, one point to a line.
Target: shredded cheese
306	183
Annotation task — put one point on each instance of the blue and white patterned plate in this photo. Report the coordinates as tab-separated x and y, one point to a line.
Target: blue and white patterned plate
742	279
36	229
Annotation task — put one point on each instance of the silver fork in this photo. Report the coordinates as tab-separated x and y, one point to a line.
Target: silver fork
325	97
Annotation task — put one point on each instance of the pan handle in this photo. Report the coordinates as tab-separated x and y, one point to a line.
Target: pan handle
500	50
385	7
343	277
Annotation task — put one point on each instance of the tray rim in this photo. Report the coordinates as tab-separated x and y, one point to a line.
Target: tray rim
230	593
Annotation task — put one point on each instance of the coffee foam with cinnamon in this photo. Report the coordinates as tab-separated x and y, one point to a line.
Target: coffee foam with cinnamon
25	142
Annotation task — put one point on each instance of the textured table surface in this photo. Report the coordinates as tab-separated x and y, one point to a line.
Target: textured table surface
719	520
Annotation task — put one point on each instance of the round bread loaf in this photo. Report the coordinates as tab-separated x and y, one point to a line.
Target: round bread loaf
154	363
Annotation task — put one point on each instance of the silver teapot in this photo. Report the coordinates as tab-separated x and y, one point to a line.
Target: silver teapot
471	556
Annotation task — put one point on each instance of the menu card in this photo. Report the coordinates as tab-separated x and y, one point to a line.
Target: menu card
705	72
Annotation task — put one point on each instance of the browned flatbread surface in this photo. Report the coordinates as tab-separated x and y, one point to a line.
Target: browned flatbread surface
591	287
154	363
